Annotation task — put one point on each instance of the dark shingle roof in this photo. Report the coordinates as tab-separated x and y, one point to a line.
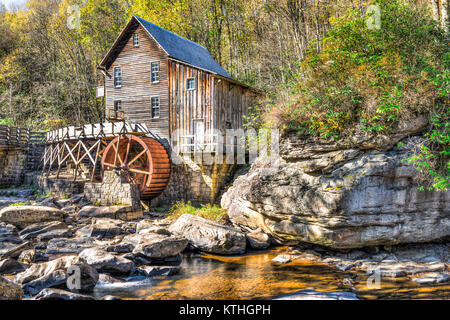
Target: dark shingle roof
183	49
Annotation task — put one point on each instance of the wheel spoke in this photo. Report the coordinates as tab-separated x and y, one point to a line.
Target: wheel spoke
137	157
139	171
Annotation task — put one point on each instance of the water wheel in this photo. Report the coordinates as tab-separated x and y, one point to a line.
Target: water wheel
143	160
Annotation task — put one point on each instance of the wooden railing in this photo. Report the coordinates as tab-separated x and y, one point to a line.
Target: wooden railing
19	137
114	115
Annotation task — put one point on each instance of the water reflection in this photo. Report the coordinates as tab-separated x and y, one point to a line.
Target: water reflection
253	276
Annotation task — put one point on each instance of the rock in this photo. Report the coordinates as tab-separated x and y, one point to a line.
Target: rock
106	278
106	262
32	231
258	240
69	246
157	246
58	294
432	278
209	236
22	216
76	198
339	195
16	251
101	228
8	230
61	233
9	266
150	226
111	298
10	290
281	259
311	294
27	256
63	203
55	273
152	271
124	213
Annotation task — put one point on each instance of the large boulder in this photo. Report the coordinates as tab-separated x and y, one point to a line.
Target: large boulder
22	216
156	246
339	196
34	230
10	290
106	262
209	236
101	228
125	213
56	273
71	245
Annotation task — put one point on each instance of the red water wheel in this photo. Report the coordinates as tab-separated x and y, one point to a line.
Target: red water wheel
143	160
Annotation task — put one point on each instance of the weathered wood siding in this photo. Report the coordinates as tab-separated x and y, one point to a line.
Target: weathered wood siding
215	100
137	88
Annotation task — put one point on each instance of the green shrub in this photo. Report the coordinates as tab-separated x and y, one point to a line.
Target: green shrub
370	79
208	211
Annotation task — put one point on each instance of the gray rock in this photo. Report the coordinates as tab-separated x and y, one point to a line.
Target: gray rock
152	271
339	195
258	240
311	294
111	212
7	230
209	236
10	290
55	273
22	216
61	233
27	256
69	246
282	259
9	266
32	231
58	294
15	251
432	278
63	203
157	246
101	228
106	262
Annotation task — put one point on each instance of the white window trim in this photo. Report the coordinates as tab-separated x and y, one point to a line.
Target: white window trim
159	107
114	106
195	84
138	40
151	71
121	77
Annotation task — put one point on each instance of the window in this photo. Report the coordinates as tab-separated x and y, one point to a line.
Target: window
117	105
118	77
190	84
155	72
136	40
155	107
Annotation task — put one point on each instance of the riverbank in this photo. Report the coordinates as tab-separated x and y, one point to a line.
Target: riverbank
153	257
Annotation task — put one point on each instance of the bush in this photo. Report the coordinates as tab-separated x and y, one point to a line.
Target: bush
208	211
370	79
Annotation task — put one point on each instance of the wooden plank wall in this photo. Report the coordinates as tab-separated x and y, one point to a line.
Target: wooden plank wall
137	89
215	100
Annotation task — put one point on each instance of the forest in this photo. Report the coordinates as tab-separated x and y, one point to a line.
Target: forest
324	65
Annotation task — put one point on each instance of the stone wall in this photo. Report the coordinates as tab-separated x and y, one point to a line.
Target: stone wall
190	181
113	191
17	162
62	188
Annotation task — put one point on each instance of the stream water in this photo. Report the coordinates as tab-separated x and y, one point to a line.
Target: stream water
253	276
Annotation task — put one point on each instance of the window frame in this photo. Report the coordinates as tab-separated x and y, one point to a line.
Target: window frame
187	84
119	102
119	77
136	37
152	107
157	72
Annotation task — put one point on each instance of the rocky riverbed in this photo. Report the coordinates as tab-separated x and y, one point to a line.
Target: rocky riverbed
68	249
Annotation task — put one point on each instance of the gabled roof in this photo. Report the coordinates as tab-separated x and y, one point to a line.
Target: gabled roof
177	48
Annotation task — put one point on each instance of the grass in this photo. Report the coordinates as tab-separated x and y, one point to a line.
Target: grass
19	204
208	211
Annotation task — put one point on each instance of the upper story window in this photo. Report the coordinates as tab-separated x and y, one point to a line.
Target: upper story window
117	77
155	107
190	85
117	105
136	40
155	72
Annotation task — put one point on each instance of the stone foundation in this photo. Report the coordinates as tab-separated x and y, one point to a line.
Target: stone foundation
61	188
113	191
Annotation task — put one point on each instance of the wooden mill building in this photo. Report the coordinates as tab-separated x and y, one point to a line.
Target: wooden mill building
179	91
